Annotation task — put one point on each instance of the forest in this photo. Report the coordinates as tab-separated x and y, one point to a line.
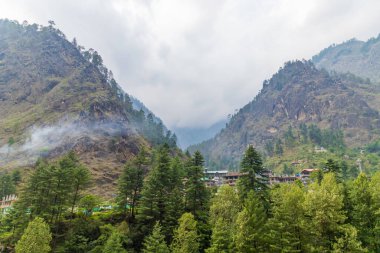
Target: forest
163	205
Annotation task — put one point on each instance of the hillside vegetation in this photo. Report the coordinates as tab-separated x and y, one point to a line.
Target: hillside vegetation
56	97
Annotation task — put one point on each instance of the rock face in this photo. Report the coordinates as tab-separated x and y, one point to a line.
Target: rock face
55	97
354	56
297	93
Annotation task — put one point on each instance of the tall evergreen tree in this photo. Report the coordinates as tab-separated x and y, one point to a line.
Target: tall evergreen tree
324	205
155	242
185	236
130	184
156	194
254	176
224	208
374	187
250	225
362	215
36	238
286	228
197	197
114	244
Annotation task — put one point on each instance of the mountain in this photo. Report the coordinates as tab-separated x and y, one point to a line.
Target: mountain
354	56
192	135
299	94
55	97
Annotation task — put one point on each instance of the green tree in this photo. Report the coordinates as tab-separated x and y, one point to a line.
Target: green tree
155	242
254	176
131	182
332	166
88	203
324	205
374	187
185	236
225	206
114	244
7	185
362	216
81	180
36	238
289	137
175	200
156	194
286	228
250	225
348	242
197	197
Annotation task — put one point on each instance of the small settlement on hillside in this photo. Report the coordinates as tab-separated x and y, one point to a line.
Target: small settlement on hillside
220	177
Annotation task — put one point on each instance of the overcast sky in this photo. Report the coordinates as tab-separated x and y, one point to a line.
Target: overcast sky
194	62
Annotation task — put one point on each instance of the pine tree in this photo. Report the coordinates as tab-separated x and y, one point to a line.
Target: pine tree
374	187
324	205
362	215
332	166
36	238
175	199
223	212
287	233
254	175
81	180
155	242
250	226
185	236
348	242
221	238
155	194
130	184
114	244
197	197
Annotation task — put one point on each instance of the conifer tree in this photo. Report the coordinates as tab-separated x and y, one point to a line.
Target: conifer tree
374	187
254	175
197	197
155	193
114	244
286	230
224	208
362	215
185	236
155	242
250	226
36	238
221	238
324	205
348	241
175	201
131	182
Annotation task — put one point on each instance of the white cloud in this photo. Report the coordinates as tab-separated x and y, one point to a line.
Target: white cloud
193	62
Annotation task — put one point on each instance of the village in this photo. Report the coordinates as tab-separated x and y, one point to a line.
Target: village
220	177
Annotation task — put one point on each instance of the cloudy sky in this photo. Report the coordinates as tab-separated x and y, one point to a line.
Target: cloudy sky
193	62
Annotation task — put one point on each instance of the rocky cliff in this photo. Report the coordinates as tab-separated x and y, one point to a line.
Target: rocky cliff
298	93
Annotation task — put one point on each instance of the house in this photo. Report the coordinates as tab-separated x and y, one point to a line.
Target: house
282	179
305	174
7	202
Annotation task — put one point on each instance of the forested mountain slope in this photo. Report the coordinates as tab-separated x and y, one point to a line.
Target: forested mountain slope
55	96
299	94
354	56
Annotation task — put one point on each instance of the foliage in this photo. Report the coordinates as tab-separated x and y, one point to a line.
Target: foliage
254	176
155	242
36	238
185	236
